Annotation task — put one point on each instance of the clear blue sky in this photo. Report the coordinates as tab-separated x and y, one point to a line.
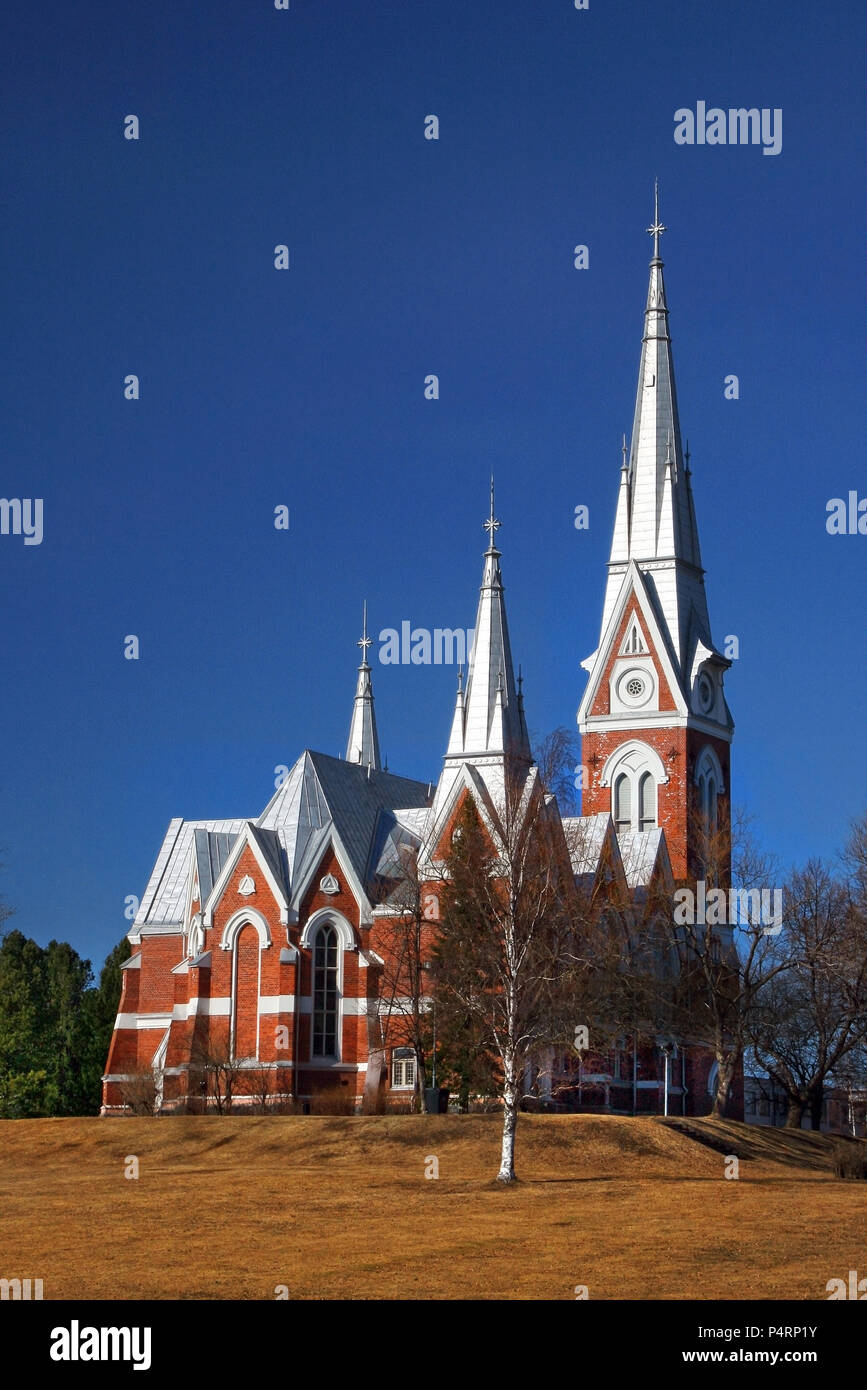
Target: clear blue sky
305	388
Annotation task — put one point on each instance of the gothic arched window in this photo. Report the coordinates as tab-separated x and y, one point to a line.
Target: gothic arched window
646	802
623	803
709	785
325	991
635	773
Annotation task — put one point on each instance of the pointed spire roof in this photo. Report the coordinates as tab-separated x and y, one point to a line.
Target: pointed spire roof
363	744
493	719
655	521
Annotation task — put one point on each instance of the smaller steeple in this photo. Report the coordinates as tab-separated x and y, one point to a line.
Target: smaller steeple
488	715
363	744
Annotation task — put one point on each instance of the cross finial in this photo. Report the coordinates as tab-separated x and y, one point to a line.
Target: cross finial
364	641
492	526
657	229
686	456
623	452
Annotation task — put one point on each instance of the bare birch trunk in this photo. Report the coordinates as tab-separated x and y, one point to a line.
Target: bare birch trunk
510	1118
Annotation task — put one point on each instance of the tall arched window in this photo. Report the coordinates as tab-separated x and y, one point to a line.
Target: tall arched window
245	991
325	991
623	802
646	802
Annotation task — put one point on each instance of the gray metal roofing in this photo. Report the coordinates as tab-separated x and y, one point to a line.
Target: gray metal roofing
638	850
163	900
273	853
212	849
585	836
320	789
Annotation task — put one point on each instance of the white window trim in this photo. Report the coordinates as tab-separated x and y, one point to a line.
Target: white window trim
233	1016
403	1055
325	918
648	760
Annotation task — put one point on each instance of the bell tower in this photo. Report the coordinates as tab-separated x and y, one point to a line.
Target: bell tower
656	729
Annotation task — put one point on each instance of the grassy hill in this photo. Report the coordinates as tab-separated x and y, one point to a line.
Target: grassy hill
336	1207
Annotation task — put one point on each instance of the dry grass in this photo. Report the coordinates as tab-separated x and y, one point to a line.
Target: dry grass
338	1207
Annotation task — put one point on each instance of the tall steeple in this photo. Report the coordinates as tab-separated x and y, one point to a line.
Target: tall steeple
656	729
363	744
655	523
488	727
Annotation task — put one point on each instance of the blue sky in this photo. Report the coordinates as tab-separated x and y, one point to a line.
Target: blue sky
306	388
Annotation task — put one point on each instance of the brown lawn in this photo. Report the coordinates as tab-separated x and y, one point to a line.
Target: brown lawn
336	1207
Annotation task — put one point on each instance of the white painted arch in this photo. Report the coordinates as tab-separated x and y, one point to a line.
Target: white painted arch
335	919
245	917
634	755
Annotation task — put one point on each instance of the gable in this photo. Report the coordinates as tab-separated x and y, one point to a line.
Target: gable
254	862
627	683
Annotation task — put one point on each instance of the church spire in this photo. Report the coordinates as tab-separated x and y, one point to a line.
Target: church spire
489	730
492	721
363	744
655	524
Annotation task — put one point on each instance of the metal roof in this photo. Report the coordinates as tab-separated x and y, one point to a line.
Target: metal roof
163	901
211	848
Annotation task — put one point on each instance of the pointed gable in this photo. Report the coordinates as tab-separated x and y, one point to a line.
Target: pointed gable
633	621
324	794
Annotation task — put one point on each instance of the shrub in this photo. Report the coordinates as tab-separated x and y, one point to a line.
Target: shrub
850	1161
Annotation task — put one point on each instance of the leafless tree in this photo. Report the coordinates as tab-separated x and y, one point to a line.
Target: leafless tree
138	1090
215	1074
404	932
813	1015
726	965
503	954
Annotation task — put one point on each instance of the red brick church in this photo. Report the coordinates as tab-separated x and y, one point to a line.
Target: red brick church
264	940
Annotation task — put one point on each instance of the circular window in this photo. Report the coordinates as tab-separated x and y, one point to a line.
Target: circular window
634	687
705	691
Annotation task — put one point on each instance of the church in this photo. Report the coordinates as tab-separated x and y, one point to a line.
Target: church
262	943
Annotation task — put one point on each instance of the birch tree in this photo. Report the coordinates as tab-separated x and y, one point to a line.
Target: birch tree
502	957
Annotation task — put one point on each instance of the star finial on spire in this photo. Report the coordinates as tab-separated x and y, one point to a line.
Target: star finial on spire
364	641
657	229
492	526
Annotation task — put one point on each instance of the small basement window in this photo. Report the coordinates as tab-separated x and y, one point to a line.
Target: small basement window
402	1069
